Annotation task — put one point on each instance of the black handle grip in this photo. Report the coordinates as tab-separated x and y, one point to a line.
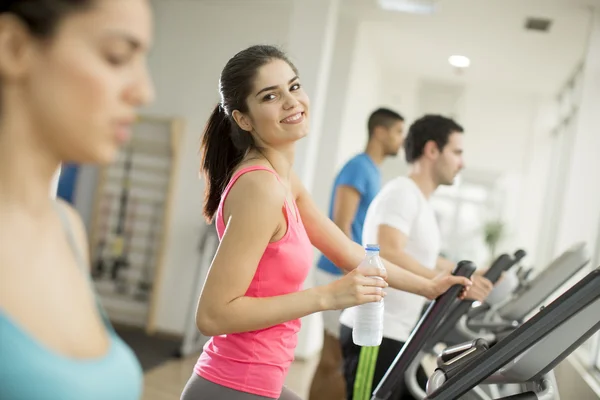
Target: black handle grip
519	254
463	268
501	264
420	334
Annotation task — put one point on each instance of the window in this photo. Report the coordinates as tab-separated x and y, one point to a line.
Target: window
462	211
567	107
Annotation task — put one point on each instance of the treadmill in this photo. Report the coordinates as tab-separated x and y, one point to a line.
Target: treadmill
501	265
499	322
494	322
525	357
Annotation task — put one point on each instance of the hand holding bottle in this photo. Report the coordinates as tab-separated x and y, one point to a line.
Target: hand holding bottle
360	286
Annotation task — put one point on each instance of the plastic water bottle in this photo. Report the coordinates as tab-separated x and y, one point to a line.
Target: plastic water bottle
368	318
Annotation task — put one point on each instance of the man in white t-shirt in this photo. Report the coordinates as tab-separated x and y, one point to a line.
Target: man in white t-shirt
355	186
401	220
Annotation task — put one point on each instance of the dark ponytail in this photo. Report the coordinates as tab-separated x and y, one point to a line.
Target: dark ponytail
224	143
219	159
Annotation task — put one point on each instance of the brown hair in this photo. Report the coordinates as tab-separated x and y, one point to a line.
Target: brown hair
224	143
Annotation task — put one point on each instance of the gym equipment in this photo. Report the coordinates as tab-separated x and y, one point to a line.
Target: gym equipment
144	285
493	322
447	322
509	282
468	324
421	334
528	355
119	252
501	265
523	275
145	169
529	370
100	264
504	288
121	278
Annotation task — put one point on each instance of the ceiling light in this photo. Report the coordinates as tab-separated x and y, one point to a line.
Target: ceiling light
459	61
409	6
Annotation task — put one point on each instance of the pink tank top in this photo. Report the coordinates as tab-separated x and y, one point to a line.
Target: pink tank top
257	362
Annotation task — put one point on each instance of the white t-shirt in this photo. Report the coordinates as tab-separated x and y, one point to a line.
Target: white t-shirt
402	205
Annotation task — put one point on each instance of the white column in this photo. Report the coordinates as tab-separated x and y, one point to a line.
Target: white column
333	133
580	216
311	41
54	183
310	45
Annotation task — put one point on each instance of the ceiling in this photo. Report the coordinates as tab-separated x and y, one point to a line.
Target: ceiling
490	32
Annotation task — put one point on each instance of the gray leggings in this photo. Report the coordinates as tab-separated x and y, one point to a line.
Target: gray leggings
199	388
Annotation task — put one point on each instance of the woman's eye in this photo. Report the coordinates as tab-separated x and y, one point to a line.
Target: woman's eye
270	96
295	86
117	60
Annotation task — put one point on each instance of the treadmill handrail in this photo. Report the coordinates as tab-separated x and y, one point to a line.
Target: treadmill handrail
581	295
420	334
501	264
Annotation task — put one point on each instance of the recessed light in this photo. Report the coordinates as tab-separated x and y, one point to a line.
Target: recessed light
459	61
410	6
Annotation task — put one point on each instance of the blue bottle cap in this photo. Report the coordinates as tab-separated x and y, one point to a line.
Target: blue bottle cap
372	247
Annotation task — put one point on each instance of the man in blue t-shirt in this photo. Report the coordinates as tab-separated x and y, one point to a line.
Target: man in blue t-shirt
353	190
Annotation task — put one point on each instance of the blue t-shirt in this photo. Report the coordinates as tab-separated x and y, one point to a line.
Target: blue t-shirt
362	174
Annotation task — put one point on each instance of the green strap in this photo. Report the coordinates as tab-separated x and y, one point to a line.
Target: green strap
365	372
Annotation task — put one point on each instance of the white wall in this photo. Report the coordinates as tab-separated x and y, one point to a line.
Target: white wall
534	180
363	96
579	218
193	41
333	125
498	126
310	337
313	54
401	93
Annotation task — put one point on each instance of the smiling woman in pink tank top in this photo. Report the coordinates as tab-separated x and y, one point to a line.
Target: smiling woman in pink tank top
252	300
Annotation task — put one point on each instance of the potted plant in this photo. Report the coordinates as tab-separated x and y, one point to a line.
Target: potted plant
493	233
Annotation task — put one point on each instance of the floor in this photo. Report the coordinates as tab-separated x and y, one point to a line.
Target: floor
166	381
151	351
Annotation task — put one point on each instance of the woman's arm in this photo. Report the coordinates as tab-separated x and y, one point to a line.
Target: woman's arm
347	254
254	209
